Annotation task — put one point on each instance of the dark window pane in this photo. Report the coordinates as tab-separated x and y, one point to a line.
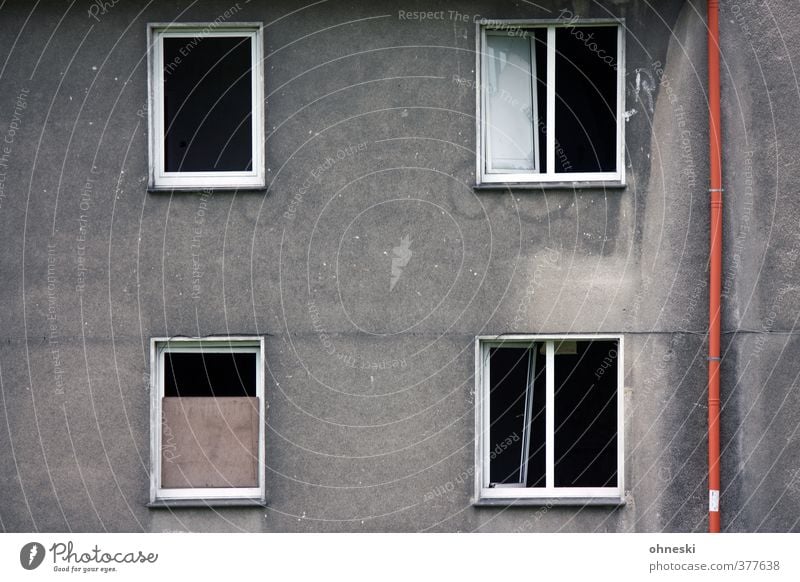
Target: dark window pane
540	44
207	104
209	374
537	459
585	443
508	375
586	99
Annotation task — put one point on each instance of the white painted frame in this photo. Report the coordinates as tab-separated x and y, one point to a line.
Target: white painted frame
211	495
549	177
485	495
534	113
159	178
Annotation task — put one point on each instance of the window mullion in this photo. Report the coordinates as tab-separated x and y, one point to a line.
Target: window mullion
159	104
620	102
526	427
158	425
487	417
551	100
534	104
550	415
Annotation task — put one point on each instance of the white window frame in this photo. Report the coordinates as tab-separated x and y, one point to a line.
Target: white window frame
212	495
548	177
548	495
159	178
534	114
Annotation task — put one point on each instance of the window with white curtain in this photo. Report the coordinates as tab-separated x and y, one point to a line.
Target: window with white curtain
551	102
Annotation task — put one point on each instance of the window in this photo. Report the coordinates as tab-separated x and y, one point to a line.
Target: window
206	106
207	429
549	420
551	102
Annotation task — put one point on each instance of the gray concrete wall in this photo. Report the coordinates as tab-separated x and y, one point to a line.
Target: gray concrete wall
354	444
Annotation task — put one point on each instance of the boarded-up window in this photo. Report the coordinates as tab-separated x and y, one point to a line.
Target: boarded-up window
209	404
209	420
210	442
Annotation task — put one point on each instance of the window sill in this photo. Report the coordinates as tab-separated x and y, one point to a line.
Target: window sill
203	189
173	503
549	186
540	501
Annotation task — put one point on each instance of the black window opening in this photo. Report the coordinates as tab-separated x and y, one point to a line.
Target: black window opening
585	439
585	414
214	375
517	407
208	103
586	99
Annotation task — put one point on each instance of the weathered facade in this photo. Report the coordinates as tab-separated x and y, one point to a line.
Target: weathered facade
370	138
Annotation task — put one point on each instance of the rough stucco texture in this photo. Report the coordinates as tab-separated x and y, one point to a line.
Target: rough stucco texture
370	389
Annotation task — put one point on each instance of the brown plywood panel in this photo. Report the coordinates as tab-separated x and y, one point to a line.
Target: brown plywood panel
209	442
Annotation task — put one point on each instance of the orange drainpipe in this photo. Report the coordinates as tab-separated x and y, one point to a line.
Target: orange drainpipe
715	267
